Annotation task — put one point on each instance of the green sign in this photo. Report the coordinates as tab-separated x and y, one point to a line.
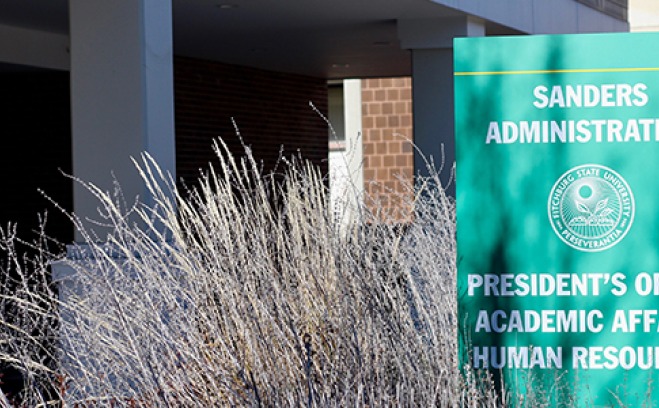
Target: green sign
557	151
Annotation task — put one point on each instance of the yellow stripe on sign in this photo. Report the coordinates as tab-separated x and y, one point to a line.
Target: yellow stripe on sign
556	71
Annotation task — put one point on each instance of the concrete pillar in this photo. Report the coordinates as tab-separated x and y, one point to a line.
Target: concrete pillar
346	157
431	44
122	100
352	96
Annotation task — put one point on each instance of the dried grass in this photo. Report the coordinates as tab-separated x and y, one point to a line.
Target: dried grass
244	291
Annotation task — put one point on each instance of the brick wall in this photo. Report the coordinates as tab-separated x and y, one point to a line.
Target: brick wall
388	153
270	109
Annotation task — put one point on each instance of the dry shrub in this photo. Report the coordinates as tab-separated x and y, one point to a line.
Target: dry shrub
242	291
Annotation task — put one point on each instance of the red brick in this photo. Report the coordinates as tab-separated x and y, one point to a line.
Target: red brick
394	147
208	95
392	94
365	109
399	82
371	187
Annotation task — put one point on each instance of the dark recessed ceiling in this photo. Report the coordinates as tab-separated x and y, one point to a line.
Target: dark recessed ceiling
330	39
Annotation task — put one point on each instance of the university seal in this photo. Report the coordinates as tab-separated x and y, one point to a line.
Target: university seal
591	208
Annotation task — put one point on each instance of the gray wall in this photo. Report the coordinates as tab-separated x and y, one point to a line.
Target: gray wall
614	8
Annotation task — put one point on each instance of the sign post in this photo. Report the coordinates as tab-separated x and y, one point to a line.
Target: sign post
557	157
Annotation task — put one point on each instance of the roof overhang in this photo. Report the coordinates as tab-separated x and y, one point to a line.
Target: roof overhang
329	39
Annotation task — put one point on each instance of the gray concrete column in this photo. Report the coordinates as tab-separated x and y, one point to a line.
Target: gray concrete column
121	93
352	99
431	44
